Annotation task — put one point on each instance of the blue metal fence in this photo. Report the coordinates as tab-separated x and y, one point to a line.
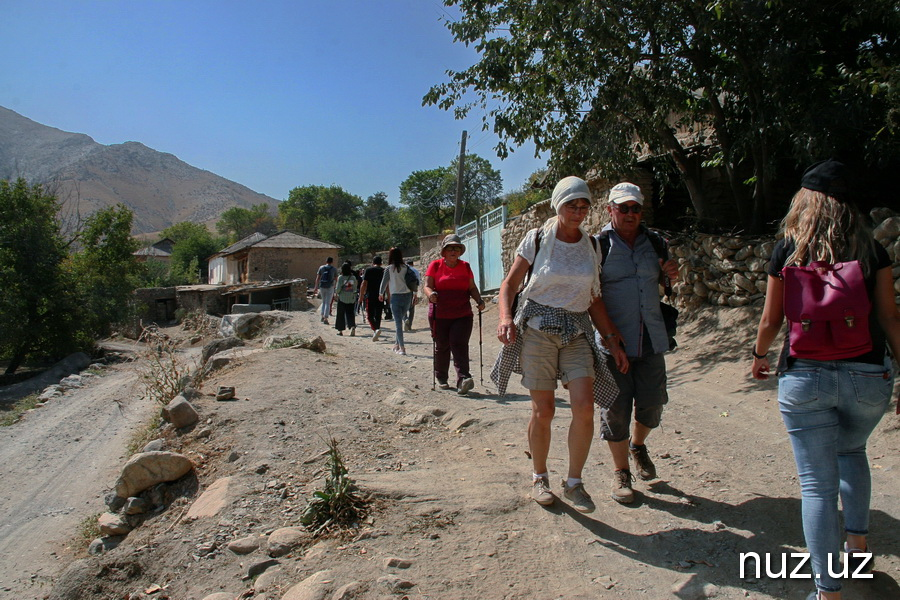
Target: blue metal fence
484	249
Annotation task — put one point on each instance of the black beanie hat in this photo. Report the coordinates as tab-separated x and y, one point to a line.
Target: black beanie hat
827	176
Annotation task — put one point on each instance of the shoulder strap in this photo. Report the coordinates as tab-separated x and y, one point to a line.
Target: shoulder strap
537	248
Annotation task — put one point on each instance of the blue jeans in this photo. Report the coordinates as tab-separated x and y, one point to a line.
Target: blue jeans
327	294
400	303
830	408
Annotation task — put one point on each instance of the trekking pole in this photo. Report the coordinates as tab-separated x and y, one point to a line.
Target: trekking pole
433	319
480	350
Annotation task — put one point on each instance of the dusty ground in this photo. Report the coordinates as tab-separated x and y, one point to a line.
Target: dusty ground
452	492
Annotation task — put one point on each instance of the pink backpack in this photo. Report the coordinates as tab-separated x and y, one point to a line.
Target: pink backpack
827	307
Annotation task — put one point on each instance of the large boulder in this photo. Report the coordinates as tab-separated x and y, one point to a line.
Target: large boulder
216	346
315	587
147	469
283	541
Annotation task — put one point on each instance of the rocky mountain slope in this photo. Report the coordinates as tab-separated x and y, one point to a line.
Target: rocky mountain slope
158	187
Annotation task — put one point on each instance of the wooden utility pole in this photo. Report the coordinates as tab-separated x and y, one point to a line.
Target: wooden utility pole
457	216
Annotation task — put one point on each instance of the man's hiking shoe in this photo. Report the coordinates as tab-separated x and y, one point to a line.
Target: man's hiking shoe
442	383
376	335
622	492
644	466
465	386
855	558
541	493
579	498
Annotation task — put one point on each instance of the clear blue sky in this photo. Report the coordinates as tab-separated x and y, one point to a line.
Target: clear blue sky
270	94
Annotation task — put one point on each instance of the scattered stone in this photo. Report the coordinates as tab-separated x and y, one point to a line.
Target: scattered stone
460	422
315	587
156	445
397	397
211	501
180	413
397	563
413	419
267	580
245	545
147	469
114	502
204	433
261	468
349	591
258	568
112	524
233	456
216	346
224	393
50	392
394	583
104	544
70	382
135	506
283	541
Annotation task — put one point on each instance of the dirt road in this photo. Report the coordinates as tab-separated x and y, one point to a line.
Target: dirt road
453	491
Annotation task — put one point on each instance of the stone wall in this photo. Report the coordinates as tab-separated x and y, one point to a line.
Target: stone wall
287	263
731	270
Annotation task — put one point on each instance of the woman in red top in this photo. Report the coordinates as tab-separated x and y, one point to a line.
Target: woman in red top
449	283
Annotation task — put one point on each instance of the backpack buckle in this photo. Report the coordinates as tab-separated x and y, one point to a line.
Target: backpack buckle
805	324
849	320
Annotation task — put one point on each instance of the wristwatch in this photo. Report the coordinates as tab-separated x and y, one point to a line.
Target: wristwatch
755	355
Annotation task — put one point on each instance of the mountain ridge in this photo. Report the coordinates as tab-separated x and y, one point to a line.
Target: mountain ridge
158	187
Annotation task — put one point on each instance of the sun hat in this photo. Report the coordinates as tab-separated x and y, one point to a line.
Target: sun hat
568	189
453	240
625	192
826	176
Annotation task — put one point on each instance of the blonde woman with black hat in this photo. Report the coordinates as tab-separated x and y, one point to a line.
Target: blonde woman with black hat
833	394
551	336
449	286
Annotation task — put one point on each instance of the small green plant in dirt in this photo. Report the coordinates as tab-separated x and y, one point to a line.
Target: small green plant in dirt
10	414
340	504
165	373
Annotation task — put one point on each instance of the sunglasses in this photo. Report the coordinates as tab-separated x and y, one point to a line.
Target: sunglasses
624	209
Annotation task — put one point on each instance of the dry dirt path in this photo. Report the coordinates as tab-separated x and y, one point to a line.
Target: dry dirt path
453	492
55	465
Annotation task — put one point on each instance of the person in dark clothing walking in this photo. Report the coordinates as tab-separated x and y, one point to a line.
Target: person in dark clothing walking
371	284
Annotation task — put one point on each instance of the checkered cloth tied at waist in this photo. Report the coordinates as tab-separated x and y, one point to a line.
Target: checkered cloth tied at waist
568	325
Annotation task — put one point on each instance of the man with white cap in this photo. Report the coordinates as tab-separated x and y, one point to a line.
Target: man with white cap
633	265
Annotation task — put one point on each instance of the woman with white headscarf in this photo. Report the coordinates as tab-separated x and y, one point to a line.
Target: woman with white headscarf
551	336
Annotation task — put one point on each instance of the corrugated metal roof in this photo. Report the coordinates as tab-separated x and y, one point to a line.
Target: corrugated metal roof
289	239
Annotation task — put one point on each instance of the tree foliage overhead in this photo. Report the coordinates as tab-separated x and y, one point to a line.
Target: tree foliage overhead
431	194
771	83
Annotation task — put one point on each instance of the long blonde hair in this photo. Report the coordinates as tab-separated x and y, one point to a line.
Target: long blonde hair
827	229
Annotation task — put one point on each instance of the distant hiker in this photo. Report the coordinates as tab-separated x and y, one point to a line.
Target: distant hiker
632	268
834	387
369	293
346	300
410	315
395	288
325	277
550	336
449	286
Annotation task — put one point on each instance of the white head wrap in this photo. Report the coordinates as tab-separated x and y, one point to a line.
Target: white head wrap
568	189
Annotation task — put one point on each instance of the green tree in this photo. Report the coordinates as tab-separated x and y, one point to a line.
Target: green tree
520	200
36	303
377	208
431	194
770	85
104	270
237	222
194	244
306	206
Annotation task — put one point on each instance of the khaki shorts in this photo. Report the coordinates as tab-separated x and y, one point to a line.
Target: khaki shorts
544	357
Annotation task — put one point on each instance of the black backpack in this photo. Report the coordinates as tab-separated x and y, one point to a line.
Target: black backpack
325	279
